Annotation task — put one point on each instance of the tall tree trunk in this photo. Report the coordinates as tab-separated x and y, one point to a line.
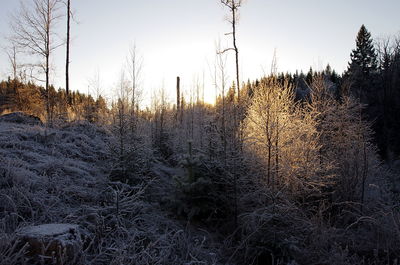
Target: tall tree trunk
49	118
178	98
276	177
236	51
67	57
133	114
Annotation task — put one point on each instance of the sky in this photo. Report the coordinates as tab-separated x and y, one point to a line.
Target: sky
177	38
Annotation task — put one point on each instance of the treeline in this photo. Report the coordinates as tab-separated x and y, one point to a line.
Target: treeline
32	99
372	77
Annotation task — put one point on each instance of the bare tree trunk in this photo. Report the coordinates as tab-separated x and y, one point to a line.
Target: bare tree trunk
233	6
67	56
365	165
220	64
12	57
14	64
178	98
236	52
269	163
276	177
133	58
47	67
135	67
121	112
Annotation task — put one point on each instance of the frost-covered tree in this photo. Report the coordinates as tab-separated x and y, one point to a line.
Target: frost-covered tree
345	139
161	124
134	65
284	138
130	154
122	111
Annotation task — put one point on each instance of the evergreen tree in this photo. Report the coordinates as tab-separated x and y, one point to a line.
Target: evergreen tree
328	70
363	65
363	58
363	76
309	76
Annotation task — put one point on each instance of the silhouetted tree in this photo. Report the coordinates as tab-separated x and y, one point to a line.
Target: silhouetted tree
363	65
67	49
233	6
362	77
389	64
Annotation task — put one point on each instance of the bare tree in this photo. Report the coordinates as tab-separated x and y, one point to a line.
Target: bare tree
233	6
67	50
135	68
95	84
220	80
12	52
161	122
33	29
178	100
96	89
274	64
121	113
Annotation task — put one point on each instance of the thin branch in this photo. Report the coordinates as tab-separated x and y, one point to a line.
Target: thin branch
226	50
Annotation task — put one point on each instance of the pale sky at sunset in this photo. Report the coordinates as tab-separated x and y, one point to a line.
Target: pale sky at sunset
177	37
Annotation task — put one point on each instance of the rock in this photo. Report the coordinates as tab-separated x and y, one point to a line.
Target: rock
20	117
54	243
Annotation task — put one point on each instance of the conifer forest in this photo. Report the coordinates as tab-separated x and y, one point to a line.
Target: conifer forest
290	168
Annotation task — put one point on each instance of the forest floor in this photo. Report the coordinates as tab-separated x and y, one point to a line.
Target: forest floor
68	176
61	176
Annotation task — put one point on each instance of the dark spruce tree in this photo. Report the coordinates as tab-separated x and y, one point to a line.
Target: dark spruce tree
362	66
362	76
310	76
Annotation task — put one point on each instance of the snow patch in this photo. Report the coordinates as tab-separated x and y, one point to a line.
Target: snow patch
48	230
